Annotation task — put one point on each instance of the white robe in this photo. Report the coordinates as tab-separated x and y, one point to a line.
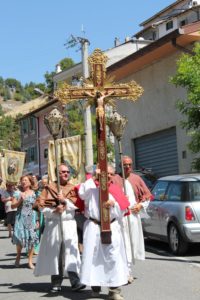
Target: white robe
102	265
135	228
48	257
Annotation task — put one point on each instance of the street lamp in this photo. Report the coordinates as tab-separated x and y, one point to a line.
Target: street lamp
117	124
54	122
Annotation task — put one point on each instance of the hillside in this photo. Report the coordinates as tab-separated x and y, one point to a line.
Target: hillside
10	105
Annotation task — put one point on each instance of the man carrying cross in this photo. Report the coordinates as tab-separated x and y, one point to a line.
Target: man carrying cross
103	264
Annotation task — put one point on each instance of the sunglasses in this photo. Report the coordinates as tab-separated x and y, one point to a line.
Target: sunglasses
63	172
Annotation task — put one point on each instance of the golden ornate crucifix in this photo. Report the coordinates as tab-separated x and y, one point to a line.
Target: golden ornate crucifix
99	90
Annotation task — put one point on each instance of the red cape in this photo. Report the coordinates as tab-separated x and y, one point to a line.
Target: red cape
118	194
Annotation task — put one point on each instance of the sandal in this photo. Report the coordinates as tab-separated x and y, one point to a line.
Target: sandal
17	264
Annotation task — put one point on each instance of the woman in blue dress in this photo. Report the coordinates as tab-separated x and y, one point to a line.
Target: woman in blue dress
24	235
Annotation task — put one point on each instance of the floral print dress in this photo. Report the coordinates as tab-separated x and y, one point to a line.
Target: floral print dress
25	226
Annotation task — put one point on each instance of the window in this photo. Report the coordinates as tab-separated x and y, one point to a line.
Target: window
46	153
174	191
184	154
169	25
32	154
25	127
26	156
32	123
159	190
194	191
183	22
153	35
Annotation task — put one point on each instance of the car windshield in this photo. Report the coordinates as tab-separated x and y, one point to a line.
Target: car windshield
159	190
149	182
194	191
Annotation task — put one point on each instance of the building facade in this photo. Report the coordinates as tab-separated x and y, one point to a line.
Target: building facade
35	138
154	137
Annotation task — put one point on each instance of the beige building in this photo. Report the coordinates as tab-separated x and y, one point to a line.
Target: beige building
153	136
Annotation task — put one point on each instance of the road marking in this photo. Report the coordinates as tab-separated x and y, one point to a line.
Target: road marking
179	258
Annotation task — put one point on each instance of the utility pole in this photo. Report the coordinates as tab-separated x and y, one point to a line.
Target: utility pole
87	113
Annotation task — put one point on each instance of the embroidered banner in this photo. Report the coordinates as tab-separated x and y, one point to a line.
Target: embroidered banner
69	152
13	165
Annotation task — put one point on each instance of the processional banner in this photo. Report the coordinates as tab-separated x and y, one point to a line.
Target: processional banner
13	165
69	152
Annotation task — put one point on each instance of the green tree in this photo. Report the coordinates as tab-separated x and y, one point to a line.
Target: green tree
49	81
66	63
188	77
13	83
1	87
9	133
29	91
74	119
1	84
1	111
1	81
6	93
74	113
18	96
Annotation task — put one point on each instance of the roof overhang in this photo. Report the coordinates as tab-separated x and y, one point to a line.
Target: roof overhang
155	51
161	12
67	74
34	111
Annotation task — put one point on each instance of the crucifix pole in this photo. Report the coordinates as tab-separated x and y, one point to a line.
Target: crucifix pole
98	71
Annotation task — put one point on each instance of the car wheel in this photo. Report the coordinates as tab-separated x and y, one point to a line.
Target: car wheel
176	243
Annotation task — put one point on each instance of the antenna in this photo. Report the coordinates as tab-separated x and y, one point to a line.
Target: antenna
82	29
73	41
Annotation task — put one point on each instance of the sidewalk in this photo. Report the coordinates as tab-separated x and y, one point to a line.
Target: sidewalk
20	283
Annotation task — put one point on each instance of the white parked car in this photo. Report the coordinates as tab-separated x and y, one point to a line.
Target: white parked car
174	213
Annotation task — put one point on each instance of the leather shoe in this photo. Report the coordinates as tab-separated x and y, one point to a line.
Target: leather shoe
56	289
95	294
130	279
77	287
17	264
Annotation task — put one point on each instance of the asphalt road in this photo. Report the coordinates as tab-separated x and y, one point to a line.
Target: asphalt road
160	277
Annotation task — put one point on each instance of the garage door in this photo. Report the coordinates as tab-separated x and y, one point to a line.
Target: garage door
158	151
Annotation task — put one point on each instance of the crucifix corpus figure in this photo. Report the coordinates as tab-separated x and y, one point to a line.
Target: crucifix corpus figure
99	90
100	111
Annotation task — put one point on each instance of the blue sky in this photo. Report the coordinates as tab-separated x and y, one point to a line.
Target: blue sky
33	33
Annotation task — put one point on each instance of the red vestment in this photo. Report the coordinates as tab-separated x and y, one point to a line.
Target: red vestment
142	193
